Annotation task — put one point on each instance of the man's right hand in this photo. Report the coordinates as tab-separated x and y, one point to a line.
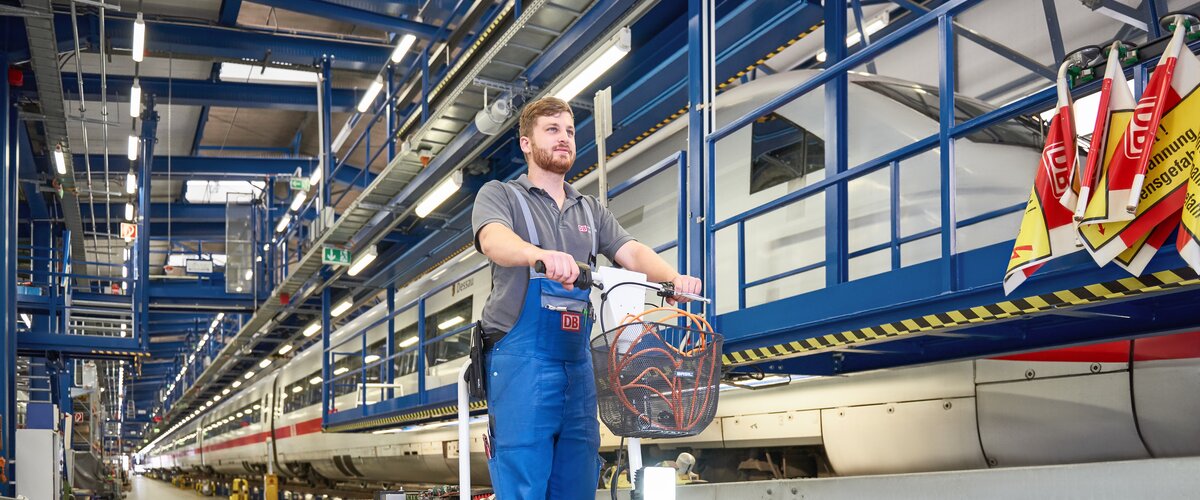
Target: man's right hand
560	266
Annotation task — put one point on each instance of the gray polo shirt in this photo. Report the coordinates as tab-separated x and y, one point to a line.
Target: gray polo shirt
566	230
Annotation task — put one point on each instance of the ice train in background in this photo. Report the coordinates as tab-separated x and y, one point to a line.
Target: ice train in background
1117	400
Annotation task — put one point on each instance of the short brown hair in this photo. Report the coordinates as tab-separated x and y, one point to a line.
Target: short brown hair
546	106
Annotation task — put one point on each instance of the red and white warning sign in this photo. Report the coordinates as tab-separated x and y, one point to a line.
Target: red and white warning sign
128	231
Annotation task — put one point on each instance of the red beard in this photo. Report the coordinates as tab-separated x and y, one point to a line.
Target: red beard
547	160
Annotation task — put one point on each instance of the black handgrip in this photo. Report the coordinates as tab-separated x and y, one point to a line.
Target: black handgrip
584	281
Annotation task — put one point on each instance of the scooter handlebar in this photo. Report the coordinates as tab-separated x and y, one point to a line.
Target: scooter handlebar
584	281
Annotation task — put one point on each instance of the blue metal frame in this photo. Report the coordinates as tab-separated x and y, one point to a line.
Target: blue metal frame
8	280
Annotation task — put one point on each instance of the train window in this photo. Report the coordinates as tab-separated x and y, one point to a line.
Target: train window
782	151
1020	131
452	318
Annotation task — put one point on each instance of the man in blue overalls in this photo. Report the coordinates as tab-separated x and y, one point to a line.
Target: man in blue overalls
543	432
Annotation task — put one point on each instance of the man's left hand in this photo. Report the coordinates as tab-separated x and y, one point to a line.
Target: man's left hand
685	284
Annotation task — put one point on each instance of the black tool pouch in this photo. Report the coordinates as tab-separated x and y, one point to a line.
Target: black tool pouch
475	374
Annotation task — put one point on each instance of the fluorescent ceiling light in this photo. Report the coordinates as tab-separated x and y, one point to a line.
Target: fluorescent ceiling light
372	92
245	73
226	391
124	271
312	329
439	194
405	43
315	380
180	259
285	349
129	211
318	172
297	389
222	191
341	370
298	200
408	341
60	161
283	223
264	363
135	99
335	146
131	183
249	375
600	61
363	260
342	307
27	319
236	384
216	398
220	316
133	148
248	274
854	37
139	38
371	358
257	407
450	322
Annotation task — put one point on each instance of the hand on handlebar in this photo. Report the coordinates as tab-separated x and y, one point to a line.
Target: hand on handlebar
559	266
685	284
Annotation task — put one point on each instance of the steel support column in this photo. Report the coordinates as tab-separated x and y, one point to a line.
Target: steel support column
8	282
836	147
326	130
141	271
696	199
327	392
949	242
390	350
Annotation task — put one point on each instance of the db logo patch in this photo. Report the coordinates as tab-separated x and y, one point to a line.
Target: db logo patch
583	228
572	321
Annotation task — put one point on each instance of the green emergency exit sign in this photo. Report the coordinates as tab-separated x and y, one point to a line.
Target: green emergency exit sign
300	184
335	256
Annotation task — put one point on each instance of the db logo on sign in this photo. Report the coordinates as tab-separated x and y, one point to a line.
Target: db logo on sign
572	322
1058	171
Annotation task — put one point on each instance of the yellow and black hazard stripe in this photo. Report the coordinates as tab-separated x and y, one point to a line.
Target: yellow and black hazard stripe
133	354
416	416
1062	299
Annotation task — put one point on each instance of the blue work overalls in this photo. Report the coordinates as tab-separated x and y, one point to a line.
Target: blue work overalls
541	394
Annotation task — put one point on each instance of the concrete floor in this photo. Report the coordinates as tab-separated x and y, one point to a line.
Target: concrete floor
145	488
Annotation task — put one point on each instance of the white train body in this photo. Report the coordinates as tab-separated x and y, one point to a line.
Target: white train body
1078	405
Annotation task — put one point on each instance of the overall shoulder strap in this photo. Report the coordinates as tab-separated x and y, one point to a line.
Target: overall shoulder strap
524	203
587	210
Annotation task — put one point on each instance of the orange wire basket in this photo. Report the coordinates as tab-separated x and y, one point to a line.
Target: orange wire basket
657	380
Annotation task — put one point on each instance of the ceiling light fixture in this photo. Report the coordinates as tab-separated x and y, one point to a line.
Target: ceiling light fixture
135	98
312	329
342	307
601	59
405	43
439	194
60	161
133	148
139	38
364	259
372	92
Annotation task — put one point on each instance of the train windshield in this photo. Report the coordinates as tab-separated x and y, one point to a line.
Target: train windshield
1018	131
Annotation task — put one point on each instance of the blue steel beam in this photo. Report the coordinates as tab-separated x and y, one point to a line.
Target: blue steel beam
354	16
219	167
179	212
185	38
229	12
8	279
204	92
